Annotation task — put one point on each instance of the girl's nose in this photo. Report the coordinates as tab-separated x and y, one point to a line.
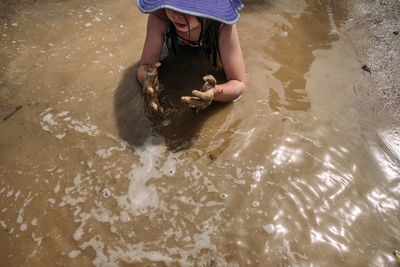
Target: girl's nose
177	14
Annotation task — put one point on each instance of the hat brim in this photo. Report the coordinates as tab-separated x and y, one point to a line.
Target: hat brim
221	10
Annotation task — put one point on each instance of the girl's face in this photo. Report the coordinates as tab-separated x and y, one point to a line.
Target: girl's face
181	23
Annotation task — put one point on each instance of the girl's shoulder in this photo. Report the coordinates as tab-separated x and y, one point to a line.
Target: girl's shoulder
227	31
161	15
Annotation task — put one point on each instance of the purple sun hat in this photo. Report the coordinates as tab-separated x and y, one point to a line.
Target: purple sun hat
225	11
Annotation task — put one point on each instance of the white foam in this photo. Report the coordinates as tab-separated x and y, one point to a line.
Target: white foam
106	153
9	193
124	217
60	136
77	183
78	233
256	175
57	188
37	239
63	113
291	258
212	204
80	127
20	219
98	246
23	227
140	196
74	253
49	119
17	194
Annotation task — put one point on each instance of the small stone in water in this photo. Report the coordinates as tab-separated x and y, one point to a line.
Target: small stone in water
106	193
224	196
269	228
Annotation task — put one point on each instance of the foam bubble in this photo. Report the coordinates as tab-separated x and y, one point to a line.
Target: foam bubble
20	218
74	253
124	217
23	227
60	136
9	193
57	188
78	233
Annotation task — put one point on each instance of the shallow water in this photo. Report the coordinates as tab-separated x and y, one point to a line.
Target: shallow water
291	174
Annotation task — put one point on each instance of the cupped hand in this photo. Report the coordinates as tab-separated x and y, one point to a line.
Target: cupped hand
150	89
202	98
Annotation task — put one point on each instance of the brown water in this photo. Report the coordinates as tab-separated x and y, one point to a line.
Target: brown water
291	174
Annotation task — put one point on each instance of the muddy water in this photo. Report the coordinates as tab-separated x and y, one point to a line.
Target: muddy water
291	174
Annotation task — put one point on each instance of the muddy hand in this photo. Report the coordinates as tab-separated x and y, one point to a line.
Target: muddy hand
150	89
199	100
202	98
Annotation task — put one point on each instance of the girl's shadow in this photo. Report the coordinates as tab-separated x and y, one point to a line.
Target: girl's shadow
179	125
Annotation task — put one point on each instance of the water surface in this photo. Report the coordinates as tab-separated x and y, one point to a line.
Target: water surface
291	174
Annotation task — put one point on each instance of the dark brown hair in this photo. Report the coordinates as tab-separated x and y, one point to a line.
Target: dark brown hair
208	38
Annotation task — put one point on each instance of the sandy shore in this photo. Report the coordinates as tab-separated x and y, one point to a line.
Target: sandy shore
373	28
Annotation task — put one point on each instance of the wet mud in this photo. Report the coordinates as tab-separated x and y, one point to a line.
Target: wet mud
291	174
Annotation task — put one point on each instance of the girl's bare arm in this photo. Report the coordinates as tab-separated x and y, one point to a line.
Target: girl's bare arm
156	29
233	64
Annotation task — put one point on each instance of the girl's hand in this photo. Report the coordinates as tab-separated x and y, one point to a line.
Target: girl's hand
150	89
202	98
199	100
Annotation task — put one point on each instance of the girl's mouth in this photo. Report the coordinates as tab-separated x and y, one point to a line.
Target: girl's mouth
180	25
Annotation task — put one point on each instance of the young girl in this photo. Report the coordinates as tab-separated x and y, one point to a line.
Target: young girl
208	25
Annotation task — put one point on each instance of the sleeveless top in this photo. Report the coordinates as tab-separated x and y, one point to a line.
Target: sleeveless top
172	34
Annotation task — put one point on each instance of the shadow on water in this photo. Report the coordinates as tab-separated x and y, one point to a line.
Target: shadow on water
133	126
179	126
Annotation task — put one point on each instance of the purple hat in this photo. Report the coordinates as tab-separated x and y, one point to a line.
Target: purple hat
225	11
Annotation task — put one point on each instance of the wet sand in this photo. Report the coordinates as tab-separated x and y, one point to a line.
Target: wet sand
373	30
291	174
